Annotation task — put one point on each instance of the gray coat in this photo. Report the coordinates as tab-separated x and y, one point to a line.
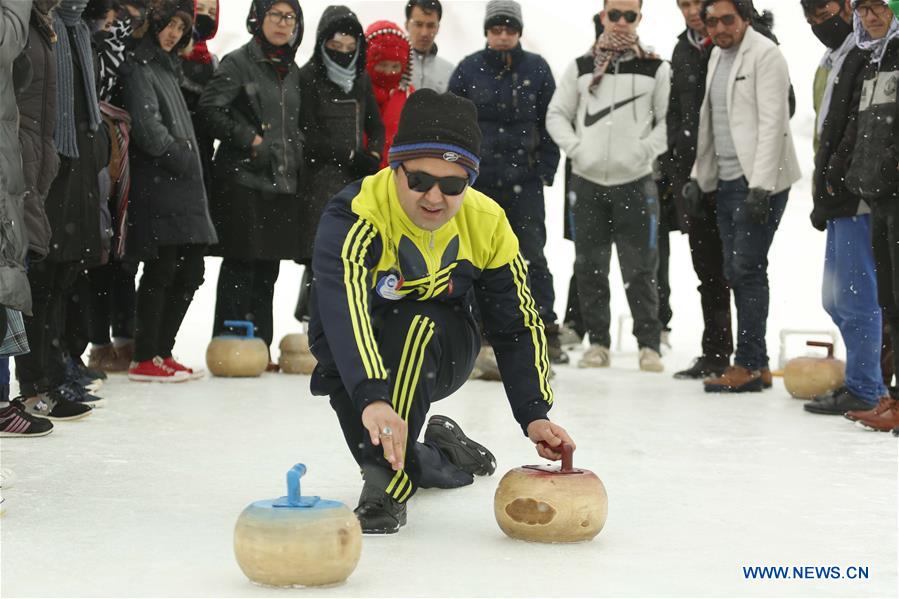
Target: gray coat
14	290
168	204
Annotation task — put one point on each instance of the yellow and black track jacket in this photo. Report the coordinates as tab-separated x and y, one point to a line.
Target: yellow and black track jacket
368	255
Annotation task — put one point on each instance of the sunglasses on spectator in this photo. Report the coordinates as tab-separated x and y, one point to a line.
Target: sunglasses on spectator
629	15
423	182
866	10
279	18
726	20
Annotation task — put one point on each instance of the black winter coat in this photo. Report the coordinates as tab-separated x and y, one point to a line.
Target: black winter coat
512	91
36	97
196	76
339	127
73	200
689	66
255	205
245	98
872	173
838	136
168	204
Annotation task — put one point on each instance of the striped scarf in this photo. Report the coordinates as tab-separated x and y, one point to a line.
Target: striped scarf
68	16
609	47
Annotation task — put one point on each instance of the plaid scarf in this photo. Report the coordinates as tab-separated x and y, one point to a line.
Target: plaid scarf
280	57
610	47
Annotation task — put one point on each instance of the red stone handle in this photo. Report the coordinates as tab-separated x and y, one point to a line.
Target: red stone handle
567	452
824	344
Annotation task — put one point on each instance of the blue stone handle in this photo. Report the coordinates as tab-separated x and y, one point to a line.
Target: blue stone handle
248	329
294	497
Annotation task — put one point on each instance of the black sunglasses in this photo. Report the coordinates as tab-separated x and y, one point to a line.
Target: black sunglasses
423	182
726	20
629	15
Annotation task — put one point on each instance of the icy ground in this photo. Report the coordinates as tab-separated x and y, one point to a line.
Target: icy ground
140	499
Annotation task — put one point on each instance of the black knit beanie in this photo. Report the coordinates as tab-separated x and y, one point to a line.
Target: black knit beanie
442	126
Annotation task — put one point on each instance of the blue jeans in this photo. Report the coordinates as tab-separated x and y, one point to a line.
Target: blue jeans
4	378
745	245
849	294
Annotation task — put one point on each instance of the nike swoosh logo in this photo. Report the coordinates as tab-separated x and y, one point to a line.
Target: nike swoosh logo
592	119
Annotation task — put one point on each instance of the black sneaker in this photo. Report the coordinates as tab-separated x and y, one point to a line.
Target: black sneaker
378	513
836	403
91	373
702	368
74	392
464	453
53	406
16	422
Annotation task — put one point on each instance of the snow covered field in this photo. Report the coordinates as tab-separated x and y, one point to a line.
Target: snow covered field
140	498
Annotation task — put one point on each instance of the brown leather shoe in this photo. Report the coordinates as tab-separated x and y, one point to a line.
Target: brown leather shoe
883	422
100	356
767	378
735	379
886	402
111	359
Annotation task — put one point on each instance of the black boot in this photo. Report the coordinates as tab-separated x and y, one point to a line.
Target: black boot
378	513
703	368
836	403
554	349
464	453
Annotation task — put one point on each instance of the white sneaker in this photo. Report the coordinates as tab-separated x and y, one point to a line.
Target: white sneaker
597	356
650	360
665	339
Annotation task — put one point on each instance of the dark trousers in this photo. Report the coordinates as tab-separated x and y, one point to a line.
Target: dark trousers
75	316
714	291
573	318
628	216
112	302
245	292
166	290
43	368
885	242
745	245
429	350
526	212
664	282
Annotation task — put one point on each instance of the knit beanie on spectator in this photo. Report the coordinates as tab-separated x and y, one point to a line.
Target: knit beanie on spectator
441	126
387	41
503	12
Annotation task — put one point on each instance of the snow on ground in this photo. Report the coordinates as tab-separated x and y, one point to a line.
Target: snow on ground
140	498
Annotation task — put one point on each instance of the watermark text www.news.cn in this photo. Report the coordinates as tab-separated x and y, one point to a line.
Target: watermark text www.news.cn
805	572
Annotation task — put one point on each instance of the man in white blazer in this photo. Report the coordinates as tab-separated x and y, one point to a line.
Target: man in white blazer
745	153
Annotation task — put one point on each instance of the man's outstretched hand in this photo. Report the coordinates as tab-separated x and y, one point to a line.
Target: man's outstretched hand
552	436
386	429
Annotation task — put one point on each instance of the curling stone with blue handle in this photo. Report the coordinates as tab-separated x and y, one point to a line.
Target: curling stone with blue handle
296	540
237	355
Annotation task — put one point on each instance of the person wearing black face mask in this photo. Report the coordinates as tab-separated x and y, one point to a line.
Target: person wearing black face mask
849	291
341	122
198	65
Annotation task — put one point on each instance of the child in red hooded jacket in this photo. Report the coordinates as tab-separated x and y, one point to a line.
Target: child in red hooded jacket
389	65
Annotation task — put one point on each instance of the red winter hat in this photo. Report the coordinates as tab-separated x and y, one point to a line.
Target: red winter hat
387	41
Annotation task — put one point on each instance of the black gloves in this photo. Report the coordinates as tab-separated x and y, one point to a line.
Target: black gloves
693	196
757	201
365	163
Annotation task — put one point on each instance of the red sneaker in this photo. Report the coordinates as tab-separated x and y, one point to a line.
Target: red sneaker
179	367
155	371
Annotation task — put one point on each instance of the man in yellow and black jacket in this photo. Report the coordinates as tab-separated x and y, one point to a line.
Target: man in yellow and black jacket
399	258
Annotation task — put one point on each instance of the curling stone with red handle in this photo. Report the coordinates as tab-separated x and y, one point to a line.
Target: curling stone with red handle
551	504
808	377
296	540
